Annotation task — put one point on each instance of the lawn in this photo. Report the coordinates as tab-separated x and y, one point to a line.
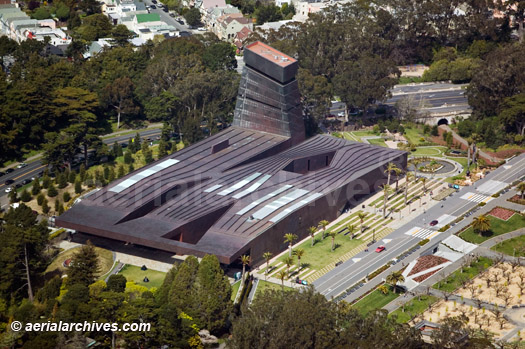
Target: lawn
134	273
105	259
359	134
377	141
453	281
320	255
235	289
375	300
497	227
413	307
266	285
512	247
429	151
414	135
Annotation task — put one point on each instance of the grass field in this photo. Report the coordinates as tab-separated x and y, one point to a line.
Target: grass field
266	285
319	255
378	141
512	247
429	151
497	227
105	259
413	307
375	300
235	289
135	274
453	281
414	135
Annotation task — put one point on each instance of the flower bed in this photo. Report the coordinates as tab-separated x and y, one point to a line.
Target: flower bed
517	199
501	213
427	262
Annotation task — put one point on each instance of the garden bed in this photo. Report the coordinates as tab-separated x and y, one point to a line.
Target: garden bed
501	213
517	200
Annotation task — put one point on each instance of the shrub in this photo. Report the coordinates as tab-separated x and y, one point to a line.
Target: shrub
52	191
78	186
481	204
46	181
56	233
25	196
72	177
128	159
495	195
423	242
66	196
40	198
121	172
57	204
62	180
60	209
445	228
106	172
378	271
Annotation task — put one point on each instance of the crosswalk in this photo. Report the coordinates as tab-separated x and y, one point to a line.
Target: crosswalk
470	196
422	233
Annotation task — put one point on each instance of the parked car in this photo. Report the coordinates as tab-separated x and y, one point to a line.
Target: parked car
165	9
21	165
301	282
172	14
201	29
154	1
153	7
8	189
124	145
2	173
9	182
9	170
433	223
26	181
380	249
18	185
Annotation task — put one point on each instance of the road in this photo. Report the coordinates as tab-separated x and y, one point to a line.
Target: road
165	17
353	271
33	168
431	97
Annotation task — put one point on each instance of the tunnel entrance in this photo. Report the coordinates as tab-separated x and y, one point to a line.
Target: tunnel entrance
442	122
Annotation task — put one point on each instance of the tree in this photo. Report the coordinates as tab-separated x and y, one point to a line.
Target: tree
268	13
84	266
193	16
52	191
245	260
35	187
394	278
481	224
66	197
424	181
128	159
390	167
78	186
121	35
45	207
120	95
299	253
25	196
362	216
288	261
408	178
322	225
386	192
383	289
451	331
415	162
267	256
333	234
513	113
290	238
281	274
22	250
220	56
521	188
62	180
311	232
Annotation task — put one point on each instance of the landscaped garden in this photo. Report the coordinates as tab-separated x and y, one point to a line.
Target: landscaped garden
497	226
459	277
137	275
413	307
105	260
374	300
512	247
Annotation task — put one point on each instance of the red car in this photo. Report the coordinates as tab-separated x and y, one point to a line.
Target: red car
434	222
380	249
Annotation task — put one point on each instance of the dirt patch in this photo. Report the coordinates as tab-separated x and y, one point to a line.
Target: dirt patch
423	277
427	262
501	213
517	200
507	153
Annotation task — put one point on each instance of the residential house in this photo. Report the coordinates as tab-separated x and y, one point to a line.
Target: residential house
304	8
229	25
212	14
241	37
147	26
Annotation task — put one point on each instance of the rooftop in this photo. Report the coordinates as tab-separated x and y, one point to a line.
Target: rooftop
270	54
148	17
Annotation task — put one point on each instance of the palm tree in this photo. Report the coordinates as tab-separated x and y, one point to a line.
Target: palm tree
282	275
290	238
299	253
398	171
481	224
469	143
390	167
333	234
416	162
245	260
267	256
323	224
362	216
312	231
521	188
351	229
408	178
383	289
394	278
289	262
424	181
386	191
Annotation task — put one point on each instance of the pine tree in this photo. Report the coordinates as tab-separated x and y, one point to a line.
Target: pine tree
25	196
52	191
78	186
40	199
128	159
46	181
115	149
82	173
137	142
45	207
62	180
60	209
13	197
72	177
131	145
84	266
66	196
57	204
163	151
111	177
121	171
106	172
116	283
35	189
131	168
